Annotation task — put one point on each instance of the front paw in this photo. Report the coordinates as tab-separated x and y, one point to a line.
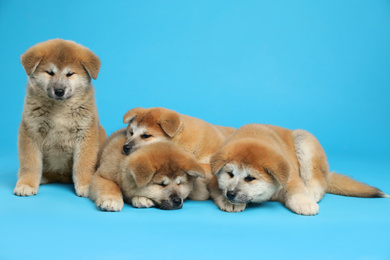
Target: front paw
141	202
82	191
224	205
25	190
110	204
302	204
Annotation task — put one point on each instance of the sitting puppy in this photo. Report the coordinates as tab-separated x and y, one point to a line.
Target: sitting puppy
60	134
159	174
262	162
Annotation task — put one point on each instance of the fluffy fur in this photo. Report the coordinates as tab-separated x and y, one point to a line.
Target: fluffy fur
160	174
60	134
262	162
194	135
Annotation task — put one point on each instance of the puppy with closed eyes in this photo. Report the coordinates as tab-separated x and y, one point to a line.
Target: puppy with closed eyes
194	135
158	175
263	162
60	135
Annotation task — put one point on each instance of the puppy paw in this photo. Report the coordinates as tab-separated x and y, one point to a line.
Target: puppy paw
302	205
224	205
110	204
82	191
141	202
25	190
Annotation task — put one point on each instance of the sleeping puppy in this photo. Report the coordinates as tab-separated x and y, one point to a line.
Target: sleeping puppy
194	135
263	162
60	134
158	175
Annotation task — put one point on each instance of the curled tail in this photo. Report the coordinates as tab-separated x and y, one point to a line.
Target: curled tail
343	185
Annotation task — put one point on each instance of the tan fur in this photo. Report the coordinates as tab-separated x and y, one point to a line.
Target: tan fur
59	137
262	162
136	179
194	135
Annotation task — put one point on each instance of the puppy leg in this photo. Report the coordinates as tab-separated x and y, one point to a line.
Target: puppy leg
313	165
85	159
105	193
30	169
141	202
200	190
298	200
220	200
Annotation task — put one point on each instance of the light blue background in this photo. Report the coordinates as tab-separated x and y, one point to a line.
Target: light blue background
322	66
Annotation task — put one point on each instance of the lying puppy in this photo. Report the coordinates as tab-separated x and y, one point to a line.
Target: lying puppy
155	124
194	135
262	162
60	134
159	174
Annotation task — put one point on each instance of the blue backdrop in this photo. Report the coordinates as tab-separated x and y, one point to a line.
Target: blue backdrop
322	66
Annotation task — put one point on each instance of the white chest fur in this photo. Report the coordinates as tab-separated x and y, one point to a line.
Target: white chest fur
56	127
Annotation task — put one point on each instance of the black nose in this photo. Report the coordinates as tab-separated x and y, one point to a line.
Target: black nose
127	149
59	92
176	202
231	194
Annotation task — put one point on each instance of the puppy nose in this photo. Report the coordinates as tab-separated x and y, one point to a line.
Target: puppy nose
126	149
59	92
231	194
176	202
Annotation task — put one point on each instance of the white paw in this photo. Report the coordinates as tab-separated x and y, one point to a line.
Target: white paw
82	191
302	204
25	190
224	205
141	202
110	204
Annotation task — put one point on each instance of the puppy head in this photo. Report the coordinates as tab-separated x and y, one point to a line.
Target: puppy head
163	173
60	69
249	171
150	125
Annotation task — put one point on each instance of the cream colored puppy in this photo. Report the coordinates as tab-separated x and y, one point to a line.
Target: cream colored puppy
158	175
60	134
263	162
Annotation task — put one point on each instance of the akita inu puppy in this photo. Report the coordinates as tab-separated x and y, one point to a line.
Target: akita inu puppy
194	135
263	162
60	134
160	174
155	124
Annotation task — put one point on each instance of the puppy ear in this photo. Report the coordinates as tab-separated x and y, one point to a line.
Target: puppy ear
218	161
280	171
91	63
171	123
131	114
141	169
31	59
194	169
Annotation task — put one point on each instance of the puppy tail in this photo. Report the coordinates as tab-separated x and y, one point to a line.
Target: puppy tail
343	185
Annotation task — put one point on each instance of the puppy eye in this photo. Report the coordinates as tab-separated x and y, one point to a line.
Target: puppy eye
249	178
51	73
230	174
162	184
145	136
70	74
131	133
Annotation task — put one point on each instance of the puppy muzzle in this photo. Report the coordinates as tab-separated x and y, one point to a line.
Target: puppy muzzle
174	202
128	148
236	197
